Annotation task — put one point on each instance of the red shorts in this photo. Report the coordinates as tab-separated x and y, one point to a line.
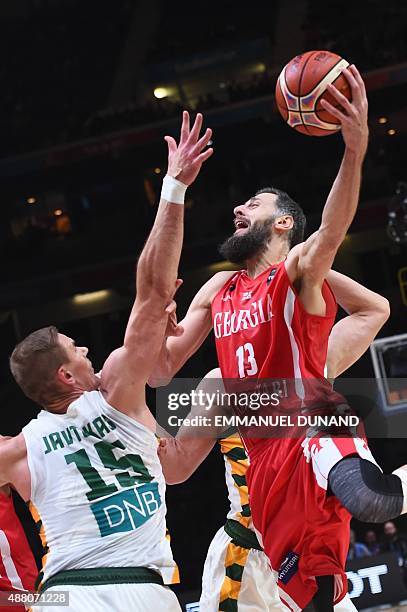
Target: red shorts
304	530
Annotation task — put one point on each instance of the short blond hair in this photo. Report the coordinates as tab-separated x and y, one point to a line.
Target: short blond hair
35	362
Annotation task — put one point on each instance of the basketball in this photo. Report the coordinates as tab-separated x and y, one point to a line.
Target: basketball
302	85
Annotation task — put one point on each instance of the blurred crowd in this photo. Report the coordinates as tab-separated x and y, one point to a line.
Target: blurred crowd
219	25
59	66
374	542
370	33
134	114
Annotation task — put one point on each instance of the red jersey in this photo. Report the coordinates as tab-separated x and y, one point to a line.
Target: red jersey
263	331
18	569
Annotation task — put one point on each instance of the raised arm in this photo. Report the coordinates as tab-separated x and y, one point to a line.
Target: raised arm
352	336
196	325
310	262
182	455
127	369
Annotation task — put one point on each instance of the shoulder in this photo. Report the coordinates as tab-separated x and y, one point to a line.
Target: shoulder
12	452
208	291
15	446
220	278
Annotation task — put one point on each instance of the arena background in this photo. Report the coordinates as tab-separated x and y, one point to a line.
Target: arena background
88	90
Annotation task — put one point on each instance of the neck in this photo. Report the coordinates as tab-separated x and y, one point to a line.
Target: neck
61	404
275	253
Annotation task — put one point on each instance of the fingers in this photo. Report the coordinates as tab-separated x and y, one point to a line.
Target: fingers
204	156
178	284
202	142
359	79
177	331
184	128
343	100
172	145
196	129
171	308
162	443
354	85
334	111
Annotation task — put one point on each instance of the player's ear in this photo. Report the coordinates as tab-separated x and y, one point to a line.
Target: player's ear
283	223
65	376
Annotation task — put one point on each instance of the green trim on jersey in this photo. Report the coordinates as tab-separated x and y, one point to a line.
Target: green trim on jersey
103	575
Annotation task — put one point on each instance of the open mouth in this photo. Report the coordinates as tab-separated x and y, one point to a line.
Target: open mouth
241	224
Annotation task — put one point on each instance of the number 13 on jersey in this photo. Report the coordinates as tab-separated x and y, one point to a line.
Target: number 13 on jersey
246	361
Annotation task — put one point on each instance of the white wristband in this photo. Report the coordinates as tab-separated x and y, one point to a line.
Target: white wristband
173	191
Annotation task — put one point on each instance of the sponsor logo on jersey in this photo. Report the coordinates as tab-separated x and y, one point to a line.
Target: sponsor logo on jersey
127	510
246	295
288	567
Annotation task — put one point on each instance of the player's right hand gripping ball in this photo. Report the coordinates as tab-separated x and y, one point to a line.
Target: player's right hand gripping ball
302	85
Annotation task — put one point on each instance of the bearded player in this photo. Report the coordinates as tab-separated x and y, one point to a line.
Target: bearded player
272	320
88	463
237	573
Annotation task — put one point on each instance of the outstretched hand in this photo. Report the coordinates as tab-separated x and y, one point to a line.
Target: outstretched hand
186	158
353	115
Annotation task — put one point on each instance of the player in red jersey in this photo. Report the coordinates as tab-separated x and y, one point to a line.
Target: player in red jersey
18	570
179	461
273	320
312	564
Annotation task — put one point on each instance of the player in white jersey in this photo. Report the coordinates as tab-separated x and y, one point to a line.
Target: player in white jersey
237	574
88	463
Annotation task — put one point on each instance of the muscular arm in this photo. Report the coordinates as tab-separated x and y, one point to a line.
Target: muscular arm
127	369
182	455
197	324
309	263
352	336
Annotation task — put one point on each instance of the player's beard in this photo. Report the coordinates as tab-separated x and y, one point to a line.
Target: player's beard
239	248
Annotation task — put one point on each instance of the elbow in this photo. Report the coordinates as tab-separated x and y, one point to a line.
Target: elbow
379	312
383	309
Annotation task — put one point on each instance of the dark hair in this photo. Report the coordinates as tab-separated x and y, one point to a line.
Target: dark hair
34	363
287	206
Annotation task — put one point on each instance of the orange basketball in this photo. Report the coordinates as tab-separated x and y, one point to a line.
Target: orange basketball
302	85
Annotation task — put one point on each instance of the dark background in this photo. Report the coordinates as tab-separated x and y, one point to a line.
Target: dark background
82	160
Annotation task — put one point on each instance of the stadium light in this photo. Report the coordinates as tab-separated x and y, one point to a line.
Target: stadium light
161	92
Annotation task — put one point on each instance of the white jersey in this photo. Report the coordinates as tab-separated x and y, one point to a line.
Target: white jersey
97	490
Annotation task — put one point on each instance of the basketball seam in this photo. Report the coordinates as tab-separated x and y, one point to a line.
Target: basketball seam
336	105
299	91
318	99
